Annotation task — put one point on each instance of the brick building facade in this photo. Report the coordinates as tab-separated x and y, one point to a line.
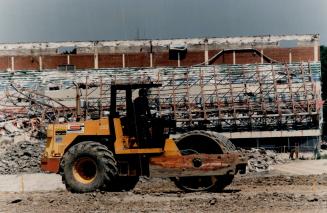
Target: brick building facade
159	53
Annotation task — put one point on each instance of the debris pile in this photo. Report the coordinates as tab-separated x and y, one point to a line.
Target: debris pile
21	145
22	129
261	160
22	157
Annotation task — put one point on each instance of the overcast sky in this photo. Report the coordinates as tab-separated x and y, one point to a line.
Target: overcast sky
66	20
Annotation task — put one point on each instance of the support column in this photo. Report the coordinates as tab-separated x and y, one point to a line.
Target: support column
123	60
151	60
206	53
96	59
68	59
12	63
234	57
40	63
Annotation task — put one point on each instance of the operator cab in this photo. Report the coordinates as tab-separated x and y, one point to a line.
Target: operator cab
148	131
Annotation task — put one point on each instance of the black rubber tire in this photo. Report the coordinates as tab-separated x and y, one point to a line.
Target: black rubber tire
208	142
124	183
104	161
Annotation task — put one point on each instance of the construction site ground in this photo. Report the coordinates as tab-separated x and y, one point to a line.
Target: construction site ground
298	186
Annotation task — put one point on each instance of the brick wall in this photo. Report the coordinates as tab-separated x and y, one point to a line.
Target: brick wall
302	54
247	58
298	54
225	58
137	60
26	63
193	58
278	54
5	62
110	60
82	61
52	62
160	59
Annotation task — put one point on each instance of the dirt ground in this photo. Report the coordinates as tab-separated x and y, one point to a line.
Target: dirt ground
250	193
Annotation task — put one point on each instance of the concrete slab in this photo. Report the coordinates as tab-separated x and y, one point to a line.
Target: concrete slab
302	167
31	182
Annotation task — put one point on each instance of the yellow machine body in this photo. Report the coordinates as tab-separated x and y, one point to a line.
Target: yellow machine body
63	135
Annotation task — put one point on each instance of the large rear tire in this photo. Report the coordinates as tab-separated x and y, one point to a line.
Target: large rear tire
206	142
88	166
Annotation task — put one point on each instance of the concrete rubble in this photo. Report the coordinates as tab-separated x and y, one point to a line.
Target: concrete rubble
261	160
22	157
21	144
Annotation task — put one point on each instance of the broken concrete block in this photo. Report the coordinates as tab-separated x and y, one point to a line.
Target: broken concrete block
11	128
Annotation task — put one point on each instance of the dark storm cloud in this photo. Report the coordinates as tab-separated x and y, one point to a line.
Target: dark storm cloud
62	20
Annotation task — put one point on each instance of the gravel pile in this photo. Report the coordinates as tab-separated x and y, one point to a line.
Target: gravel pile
22	157
261	160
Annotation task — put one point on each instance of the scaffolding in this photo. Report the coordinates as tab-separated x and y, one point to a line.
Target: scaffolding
224	98
242	97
